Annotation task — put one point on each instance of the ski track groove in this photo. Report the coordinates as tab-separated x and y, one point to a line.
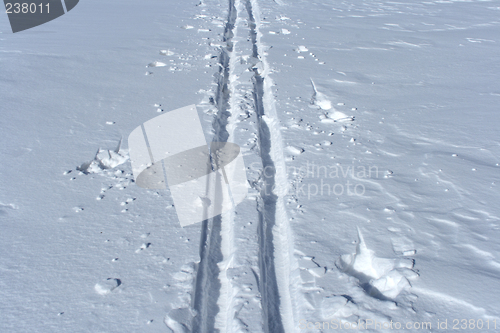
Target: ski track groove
275	234
214	294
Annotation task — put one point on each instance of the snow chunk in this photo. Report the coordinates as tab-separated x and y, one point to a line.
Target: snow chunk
340	116
166	52
391	284
157	64
105	159
301	48
319	99
295	150
381	278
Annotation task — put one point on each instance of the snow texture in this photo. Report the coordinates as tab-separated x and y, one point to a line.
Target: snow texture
369	131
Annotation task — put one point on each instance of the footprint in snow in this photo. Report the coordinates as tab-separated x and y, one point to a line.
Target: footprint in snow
107	286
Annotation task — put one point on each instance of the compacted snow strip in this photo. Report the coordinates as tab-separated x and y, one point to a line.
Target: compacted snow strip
275	235
214	294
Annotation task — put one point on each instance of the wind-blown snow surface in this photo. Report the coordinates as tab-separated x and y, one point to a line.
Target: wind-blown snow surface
369	133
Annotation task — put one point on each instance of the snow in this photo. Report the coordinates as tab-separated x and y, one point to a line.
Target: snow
369	134
107	286
378	276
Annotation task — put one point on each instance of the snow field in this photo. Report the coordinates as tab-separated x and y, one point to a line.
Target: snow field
397	101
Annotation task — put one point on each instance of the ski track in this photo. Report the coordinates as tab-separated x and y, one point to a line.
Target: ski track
215	295
213	290
275	235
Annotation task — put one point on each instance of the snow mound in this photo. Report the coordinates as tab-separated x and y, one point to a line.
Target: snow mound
380	277
105	159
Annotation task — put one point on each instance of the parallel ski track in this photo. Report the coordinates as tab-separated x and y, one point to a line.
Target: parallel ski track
214	295
275	236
